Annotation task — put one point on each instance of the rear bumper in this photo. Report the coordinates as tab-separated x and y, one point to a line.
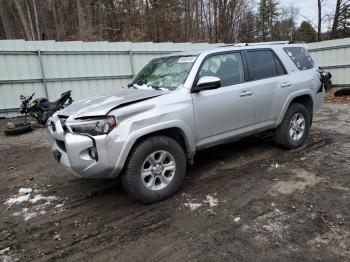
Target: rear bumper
83	155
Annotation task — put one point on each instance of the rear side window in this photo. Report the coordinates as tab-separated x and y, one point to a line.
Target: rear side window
263	64
300	57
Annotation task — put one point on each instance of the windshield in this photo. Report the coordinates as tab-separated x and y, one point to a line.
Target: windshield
164	73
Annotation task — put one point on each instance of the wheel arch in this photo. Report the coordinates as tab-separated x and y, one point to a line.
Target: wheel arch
178	131
175	133
305	98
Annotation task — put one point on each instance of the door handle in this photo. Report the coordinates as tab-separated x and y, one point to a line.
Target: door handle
246	93
284	85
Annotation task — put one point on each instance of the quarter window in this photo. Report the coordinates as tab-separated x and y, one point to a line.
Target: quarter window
228	67
300	57
263	64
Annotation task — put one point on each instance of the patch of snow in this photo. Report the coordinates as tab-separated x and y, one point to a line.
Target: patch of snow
59	205
25	190
39	197
26	214
237	219
211	201
31	196
5	250
276	165
8	259
143	87
17	199
193	206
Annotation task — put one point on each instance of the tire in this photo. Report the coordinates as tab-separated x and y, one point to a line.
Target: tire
151	187
342	92
289	134
19	129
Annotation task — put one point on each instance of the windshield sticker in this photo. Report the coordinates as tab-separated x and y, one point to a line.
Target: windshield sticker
187	59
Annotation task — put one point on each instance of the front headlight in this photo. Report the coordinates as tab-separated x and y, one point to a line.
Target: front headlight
92	126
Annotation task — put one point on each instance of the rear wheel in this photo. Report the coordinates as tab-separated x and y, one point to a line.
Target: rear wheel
155	169
295	126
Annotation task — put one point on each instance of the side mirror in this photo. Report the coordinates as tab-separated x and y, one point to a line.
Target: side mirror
207	83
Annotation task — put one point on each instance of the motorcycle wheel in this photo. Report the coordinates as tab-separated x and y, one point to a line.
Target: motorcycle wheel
19	129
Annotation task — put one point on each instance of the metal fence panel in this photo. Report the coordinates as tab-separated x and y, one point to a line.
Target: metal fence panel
333	56
89	68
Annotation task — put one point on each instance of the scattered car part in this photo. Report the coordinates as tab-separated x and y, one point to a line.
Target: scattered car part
342	92
18	129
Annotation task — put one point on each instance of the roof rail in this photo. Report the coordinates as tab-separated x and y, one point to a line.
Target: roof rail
259	43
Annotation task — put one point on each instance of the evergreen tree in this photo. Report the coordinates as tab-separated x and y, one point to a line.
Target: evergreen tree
267	17
306	33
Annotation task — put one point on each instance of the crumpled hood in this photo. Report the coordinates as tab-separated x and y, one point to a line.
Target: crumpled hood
102	104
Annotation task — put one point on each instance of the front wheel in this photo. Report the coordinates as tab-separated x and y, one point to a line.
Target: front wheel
295	126
155	169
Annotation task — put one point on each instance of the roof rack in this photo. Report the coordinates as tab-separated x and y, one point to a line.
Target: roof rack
260	43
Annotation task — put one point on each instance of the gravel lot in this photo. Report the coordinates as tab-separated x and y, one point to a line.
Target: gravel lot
245	201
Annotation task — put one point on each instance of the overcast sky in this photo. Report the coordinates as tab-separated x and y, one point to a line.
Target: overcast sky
308	8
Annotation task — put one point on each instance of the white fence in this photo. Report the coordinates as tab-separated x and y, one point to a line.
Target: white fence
334	56
48	68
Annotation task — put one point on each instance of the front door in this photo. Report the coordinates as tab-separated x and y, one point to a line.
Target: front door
222	112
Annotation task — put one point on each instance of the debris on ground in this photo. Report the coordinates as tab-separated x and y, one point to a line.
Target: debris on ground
211	201
254	217
57	237
331	98
193	206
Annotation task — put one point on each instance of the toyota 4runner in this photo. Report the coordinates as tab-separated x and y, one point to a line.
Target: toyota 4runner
179	104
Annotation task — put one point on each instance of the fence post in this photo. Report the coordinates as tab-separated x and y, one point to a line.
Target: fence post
43	73
131	63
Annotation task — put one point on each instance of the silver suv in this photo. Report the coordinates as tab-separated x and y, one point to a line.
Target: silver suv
179	104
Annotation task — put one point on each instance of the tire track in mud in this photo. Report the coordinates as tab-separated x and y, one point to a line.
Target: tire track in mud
134	225
129	230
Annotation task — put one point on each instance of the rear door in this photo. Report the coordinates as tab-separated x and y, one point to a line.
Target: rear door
270	85
307	74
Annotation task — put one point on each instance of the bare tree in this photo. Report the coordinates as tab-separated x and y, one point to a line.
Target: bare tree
341	13
25	24
6	20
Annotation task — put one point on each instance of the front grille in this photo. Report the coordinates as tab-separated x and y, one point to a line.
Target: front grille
61	145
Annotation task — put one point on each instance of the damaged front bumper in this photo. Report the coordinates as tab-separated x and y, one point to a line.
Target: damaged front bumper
83	155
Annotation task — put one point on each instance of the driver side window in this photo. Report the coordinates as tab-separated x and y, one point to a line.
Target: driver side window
228	67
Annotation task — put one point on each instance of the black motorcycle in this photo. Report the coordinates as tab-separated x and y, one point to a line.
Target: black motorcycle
41	109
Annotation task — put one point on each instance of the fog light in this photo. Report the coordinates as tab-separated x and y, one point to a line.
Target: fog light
93	153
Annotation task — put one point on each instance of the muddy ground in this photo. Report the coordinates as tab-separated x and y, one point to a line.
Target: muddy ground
245	201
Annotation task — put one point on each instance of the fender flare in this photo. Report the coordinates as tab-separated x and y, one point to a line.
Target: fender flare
289	100
136	135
